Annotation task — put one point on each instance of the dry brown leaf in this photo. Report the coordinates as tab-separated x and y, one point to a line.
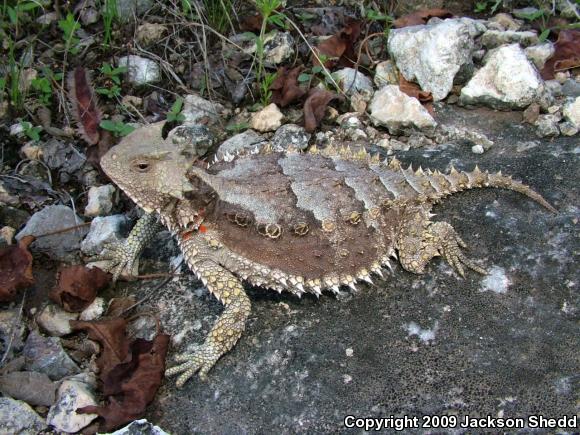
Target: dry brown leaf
130	373
77	287
111	334
414	90
315	106
84	104
339	48
117	306
251	23
285	89
15	269
566	54
421	17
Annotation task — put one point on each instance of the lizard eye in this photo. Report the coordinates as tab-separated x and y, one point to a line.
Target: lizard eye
141	165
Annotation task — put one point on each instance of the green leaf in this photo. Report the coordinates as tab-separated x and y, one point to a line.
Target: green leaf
304	78
176	107
249	35
126	129
316	69
119	70
480	7
533	16
544	35
108	125
238	127
278	20
28	6
12	14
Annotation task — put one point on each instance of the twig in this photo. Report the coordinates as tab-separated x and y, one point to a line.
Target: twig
64	230
13	329
153	290
327	72
157	275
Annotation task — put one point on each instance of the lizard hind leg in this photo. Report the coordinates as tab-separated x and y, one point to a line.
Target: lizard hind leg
418	247
225	332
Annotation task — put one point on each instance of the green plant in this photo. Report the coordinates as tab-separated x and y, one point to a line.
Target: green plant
237	128
266	8
113	80
543	14
110	13
69	26
43	88
42	85
32	132
373	15
118	128
174	114
13	77
318	71
265	92
187	10
17	13
487	5
217	13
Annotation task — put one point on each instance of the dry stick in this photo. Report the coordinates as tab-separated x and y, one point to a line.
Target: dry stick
328	74
154	289
157	275
13	329
64	230
364	44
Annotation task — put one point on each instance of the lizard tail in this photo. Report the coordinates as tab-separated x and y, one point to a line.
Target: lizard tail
457	181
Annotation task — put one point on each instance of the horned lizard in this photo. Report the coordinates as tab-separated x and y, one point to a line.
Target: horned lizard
296	222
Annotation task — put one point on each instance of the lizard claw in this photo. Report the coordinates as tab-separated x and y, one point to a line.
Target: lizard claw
202	360
122	259
451	251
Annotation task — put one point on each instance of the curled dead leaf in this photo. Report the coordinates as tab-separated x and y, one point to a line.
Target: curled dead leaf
566	54
315	106
422	16
414	90
77	287
16	269
130	373
285	89
339	48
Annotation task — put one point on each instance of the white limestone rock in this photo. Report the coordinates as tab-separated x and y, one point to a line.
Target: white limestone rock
395	110
507	81
435	55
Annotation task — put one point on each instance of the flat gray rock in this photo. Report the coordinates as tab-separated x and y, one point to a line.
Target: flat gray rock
18	418
62	246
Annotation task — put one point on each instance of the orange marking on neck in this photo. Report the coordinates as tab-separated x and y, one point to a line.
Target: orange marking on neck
202	229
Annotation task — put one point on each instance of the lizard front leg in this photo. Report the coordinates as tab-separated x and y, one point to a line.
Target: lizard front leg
123	256
228	328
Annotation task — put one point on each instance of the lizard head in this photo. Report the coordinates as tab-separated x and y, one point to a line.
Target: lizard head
149	169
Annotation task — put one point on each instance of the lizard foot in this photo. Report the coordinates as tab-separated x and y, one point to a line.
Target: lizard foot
416	249
202	360
450	249
122	259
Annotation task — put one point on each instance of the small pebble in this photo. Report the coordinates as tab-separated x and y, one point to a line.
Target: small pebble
477	149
